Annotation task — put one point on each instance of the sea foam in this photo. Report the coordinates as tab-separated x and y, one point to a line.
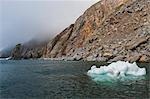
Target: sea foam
116	70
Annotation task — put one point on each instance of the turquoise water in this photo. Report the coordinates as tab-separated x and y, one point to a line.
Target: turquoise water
24	79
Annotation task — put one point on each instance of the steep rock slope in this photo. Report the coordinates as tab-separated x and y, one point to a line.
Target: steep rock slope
32	49
110	30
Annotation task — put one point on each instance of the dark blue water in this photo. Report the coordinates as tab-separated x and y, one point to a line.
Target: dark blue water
41	79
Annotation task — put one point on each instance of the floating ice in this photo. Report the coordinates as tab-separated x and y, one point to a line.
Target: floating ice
116	70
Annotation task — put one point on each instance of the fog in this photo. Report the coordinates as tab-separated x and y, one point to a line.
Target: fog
23	20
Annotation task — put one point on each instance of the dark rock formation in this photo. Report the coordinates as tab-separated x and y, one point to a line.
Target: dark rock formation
16	53
32	49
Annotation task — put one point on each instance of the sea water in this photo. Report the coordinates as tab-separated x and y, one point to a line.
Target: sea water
38	79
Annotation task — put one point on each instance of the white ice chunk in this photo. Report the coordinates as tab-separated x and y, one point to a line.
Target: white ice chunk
117	69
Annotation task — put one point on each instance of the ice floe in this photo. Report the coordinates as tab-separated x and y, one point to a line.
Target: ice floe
116	70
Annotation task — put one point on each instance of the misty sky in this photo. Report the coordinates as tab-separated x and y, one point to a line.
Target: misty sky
22	20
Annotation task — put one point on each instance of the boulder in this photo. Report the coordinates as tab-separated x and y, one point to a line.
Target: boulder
108	54
144	58
117	58
136	42
91	58
77	57
101	59
133	58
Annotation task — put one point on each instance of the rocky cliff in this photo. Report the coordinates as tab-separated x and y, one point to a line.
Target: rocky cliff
110	30
32	49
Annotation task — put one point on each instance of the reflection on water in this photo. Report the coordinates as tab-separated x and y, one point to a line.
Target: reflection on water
61	79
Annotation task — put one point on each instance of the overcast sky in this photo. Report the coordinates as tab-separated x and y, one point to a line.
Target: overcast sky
22	20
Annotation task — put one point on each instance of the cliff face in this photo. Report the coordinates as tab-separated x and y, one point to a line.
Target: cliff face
84	27
109	30
32	49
